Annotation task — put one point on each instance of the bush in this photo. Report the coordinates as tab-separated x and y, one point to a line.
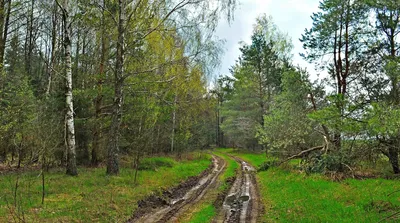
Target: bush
322	163
155	163
268	164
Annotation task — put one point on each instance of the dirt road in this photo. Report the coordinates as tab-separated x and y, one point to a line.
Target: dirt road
242	202
178	205
240	205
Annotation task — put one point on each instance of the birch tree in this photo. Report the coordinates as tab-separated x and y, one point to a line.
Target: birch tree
5	10
69	106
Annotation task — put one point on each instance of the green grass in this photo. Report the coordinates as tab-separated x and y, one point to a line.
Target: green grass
92	196
256	159
153	163
290	196
230	171
206	214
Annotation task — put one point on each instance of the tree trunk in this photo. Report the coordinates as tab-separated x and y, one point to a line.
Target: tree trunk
113	149
394	159
173	124
4	24
76	70
158	140
69	111
99	98
53	49
2	41
20	152
394	152
217	138
29	39
112	159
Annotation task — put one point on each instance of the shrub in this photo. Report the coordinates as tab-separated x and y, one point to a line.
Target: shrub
155	163
322	163
267	164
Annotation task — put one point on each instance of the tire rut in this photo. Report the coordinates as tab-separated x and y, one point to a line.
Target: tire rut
242	202
179	205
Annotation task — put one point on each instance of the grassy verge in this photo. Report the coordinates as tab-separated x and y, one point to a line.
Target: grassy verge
295	197
92	196
205	211
231	167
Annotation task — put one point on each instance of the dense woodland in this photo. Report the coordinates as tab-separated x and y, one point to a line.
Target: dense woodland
86	82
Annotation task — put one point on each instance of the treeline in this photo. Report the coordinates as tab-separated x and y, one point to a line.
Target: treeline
84	81
350	116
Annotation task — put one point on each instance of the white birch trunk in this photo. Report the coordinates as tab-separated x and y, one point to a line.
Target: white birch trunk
69	110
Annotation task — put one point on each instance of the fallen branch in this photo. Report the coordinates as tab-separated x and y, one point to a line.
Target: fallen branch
393	192
390	216
302	153
351	170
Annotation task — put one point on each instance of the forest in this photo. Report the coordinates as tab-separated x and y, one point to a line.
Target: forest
112	111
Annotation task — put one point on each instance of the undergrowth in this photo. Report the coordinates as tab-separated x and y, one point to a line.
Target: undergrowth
92	196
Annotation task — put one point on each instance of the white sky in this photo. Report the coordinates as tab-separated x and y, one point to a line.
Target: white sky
291	16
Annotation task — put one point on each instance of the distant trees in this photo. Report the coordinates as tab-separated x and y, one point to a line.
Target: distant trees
257	79
221	92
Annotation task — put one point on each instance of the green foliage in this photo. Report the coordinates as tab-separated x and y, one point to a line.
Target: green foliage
382	120
340	115
324	163
257	78
287	126
267	165
17	105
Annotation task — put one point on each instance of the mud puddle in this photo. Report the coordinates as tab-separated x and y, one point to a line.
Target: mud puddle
242	202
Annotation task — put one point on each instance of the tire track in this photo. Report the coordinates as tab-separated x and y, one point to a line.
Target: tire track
242	202
178	206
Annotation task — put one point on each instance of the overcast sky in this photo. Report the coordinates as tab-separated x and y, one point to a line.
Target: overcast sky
291	16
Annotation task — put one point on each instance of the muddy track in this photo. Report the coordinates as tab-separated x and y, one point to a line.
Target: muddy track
175	207
242	202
